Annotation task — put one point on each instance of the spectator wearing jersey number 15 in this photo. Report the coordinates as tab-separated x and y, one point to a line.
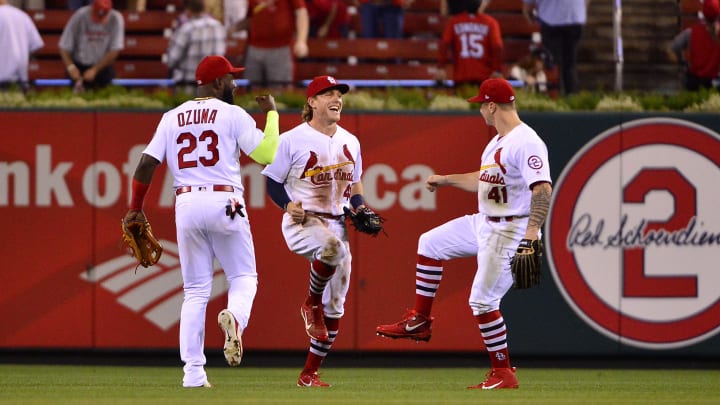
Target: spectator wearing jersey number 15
472	42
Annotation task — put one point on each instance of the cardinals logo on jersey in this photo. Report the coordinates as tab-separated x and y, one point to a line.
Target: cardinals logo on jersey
497	160
310	165
324	174
347	153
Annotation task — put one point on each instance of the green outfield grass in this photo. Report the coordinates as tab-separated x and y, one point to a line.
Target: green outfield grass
31	384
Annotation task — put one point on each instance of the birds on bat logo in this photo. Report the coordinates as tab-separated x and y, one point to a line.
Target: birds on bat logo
154	294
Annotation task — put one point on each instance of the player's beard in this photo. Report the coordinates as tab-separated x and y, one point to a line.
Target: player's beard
227	95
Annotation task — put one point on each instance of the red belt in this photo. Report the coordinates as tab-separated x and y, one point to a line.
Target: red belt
187	189
325	215
500	219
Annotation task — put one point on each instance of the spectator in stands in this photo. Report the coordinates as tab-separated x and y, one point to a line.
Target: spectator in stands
701	46
328	18
530	70
28	4
77	4
235	11
230	13
561	27
19	38
91	41
452	7
200	36
382	18
277	34
131	5
216	9
475	42
136	5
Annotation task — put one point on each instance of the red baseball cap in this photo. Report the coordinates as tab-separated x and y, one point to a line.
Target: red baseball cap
101	10
213	67
711	10
322	83
497	90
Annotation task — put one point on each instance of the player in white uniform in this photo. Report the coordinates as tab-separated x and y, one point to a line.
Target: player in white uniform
315	174
513	187
202	140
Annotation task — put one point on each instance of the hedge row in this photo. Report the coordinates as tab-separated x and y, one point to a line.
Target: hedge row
393	99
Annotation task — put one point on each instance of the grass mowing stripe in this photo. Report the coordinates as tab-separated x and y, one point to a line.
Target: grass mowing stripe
32	384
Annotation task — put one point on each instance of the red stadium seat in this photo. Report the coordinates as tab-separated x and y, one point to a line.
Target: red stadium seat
135	45
410	49
147	21
125	69
366	71
690	6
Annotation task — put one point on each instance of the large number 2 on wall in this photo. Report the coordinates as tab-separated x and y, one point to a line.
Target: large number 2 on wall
210	141
635	282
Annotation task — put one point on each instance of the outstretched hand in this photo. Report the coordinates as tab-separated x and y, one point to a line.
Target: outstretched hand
433	182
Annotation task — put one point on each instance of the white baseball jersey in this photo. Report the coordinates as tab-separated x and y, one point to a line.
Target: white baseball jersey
510	164
317	169
202	139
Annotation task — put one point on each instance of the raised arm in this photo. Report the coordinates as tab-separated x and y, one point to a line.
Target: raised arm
265	151
465	181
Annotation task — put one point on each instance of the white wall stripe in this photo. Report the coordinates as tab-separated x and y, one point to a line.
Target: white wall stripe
144	294
126	278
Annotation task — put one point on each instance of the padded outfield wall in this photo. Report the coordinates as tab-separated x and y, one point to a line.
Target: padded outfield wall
632	239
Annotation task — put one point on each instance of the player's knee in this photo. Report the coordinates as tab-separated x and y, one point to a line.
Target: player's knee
483	308
333	252
425	246
335	308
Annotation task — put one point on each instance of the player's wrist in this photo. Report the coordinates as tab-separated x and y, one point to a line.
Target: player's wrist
138	195
71	68
357	201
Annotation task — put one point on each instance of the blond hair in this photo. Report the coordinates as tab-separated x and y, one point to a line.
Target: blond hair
307	113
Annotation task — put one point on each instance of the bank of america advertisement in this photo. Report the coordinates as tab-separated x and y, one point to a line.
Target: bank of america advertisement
631	241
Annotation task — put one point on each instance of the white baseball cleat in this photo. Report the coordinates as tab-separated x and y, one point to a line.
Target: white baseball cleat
232	349
206	384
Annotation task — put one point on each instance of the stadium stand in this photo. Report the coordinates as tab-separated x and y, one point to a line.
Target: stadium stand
151	22
411	58
688	13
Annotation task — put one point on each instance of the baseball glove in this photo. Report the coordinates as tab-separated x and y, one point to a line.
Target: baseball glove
526	264
365	220
138	235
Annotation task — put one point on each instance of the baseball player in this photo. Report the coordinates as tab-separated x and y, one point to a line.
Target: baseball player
315	174
202	140
513	187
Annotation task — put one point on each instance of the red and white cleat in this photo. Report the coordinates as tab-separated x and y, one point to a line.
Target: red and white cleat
311	380
314	321
498	378
413	326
